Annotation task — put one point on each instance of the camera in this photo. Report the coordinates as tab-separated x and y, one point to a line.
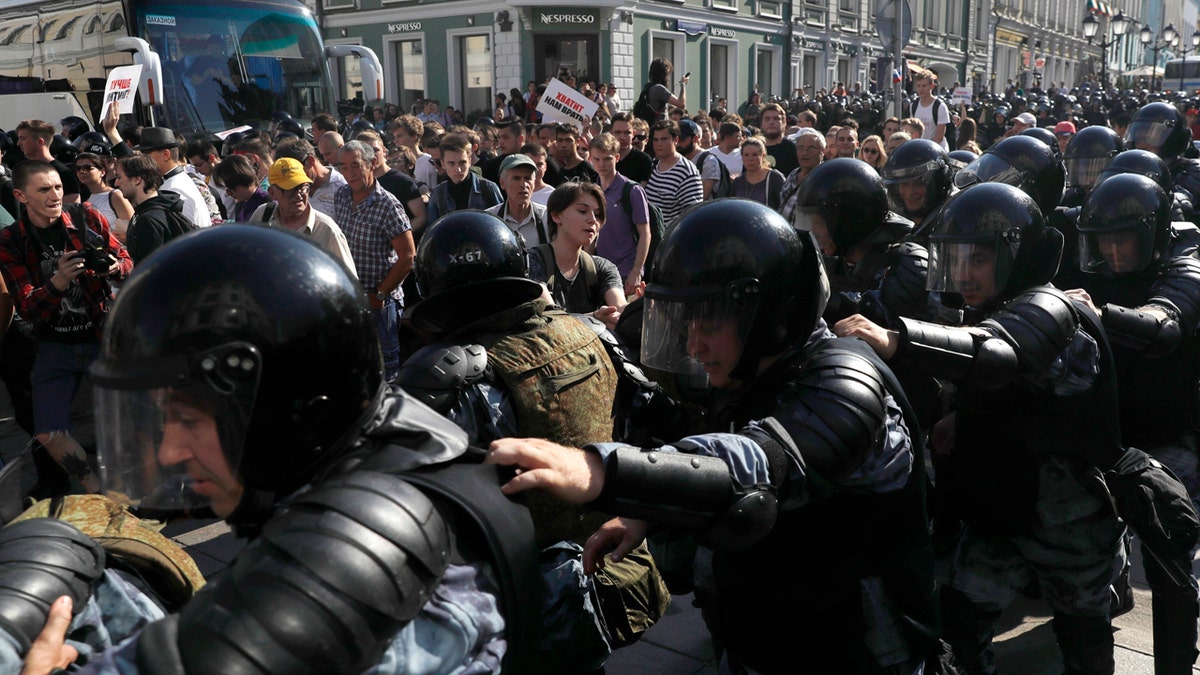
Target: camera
98	260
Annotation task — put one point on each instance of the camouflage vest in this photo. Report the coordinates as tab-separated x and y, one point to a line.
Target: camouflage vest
562	385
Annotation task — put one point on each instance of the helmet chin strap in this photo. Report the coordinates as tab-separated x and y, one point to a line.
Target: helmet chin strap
253	511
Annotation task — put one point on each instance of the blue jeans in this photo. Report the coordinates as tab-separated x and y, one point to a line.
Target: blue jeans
58	370
387	324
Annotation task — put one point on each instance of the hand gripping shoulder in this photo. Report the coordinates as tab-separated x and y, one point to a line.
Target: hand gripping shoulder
42	559
324	589
435	374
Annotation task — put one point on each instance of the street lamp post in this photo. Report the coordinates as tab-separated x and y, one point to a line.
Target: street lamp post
1146	36
1183	52
1091	26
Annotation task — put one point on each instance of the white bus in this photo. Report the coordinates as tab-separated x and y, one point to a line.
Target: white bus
1182	74
207	65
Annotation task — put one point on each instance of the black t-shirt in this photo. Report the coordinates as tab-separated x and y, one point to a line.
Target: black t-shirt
636	166
784	153
581	172
402	187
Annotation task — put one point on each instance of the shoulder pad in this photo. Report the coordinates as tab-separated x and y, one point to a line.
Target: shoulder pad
834	410
1186	175
1038	324
436	374
903	285
343	568
1185	238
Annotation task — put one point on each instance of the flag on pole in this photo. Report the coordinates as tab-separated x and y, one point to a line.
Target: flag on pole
896	77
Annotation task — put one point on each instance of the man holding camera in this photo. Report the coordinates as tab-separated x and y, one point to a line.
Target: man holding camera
58	264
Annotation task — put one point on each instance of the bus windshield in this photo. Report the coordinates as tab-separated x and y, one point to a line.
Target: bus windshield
228	62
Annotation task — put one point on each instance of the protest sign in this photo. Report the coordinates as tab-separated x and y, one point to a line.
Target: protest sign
121	88
563	104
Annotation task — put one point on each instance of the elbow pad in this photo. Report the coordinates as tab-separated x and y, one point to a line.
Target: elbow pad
40	560
1141	331
324	589
956	355
436	374
673	488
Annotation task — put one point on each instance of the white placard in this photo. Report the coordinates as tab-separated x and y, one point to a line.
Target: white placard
121	87
961	95
563	104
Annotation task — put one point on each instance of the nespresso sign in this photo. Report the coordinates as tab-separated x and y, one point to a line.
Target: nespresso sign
410	27
567	17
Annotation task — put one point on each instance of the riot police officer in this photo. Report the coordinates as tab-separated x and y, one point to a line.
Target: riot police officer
918	179
844	204
1160	128
1149	303
239	373
1023	162
1035	423
504	361
1089	152
814	502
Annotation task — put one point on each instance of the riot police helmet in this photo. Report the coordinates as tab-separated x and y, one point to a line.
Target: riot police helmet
917	177
74	126
236	351
959	159
1044	135
1124	226
95	143
731	265
1141	162
844	203
1089	152
469	261
990	244
1020	161
1160	128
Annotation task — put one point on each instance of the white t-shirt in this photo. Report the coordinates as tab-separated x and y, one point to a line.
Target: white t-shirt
733	161
925	114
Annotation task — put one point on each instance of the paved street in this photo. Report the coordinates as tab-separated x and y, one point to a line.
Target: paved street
679	642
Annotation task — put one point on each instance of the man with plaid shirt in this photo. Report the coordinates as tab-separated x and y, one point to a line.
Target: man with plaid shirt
65	295
381	243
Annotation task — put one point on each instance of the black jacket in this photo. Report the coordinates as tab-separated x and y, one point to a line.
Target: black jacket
155	221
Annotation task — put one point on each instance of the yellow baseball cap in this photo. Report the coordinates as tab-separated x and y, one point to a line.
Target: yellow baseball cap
287	174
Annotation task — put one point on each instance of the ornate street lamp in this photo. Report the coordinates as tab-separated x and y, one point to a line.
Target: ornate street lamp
1091	26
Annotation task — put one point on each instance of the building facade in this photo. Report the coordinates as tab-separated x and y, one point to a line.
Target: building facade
463	52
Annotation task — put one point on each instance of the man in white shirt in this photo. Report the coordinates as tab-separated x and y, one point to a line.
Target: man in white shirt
933	113
161	145
728	148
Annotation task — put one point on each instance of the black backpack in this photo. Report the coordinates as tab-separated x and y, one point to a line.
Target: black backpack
724	186
642	108
658	227
951	130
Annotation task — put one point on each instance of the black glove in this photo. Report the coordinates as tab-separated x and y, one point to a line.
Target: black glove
1155	505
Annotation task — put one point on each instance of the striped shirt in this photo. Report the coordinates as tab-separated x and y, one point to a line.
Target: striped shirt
675	189
370	226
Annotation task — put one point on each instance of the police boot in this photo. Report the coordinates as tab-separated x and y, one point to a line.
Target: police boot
1175	608
1086	643
1174	634
969	630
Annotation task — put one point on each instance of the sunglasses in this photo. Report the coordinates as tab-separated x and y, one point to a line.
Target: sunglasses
870	151
639	137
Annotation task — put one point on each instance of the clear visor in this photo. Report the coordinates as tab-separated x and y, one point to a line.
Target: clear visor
1084	171
815	220
909	196
697	336
1116	251
988	169
176	449
974	270
1146	135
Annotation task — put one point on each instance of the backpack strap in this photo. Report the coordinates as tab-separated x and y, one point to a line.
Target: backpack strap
547	253
587	267
627	205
